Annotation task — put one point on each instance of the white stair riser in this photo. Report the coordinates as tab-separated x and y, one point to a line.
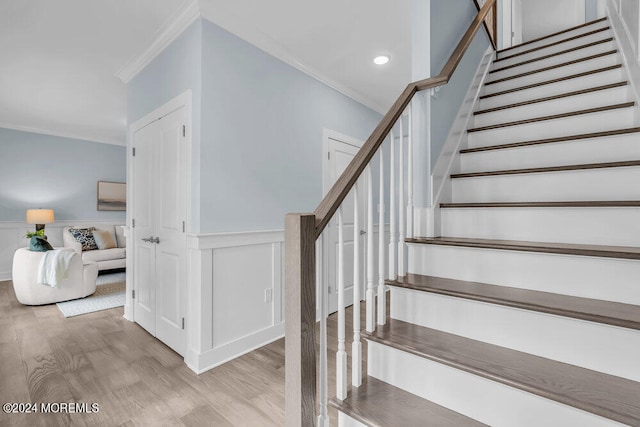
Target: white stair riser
484	400
554	73
593	150
581	123
578	83
588	184
557	59
556	106
345	420
572	341
553	49
589	226
579	276
557	38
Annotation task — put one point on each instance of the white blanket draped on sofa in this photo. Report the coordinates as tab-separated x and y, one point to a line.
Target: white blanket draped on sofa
53	266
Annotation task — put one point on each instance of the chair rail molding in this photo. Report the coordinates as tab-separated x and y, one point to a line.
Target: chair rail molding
172	29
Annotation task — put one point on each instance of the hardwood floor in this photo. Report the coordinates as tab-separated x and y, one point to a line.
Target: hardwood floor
137	381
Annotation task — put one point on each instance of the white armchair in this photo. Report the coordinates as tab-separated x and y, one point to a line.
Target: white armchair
80	281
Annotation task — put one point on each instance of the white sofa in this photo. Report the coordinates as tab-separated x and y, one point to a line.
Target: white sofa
80	281
106	259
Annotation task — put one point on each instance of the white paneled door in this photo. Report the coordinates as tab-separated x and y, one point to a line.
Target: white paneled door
341	151
159	211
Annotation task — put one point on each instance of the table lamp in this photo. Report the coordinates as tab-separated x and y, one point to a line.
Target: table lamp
39	217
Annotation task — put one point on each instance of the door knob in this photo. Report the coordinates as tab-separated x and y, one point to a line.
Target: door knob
148	239
156	240
362	232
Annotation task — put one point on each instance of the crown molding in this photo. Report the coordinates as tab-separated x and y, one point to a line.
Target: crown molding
238	27
168	34
63	134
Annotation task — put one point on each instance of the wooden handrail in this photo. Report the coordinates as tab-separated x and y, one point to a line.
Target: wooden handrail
301	233
492	34
336	195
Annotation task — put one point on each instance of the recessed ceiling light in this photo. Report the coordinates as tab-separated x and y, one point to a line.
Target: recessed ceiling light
381	60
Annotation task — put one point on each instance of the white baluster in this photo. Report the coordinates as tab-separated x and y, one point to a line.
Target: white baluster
370	296
401	214
392	209
341	355
410	175
382	295
356	346
323	416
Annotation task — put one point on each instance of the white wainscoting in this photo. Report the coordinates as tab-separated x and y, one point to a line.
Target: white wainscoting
12	237
228	314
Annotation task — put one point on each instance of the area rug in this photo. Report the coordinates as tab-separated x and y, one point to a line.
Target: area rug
110	293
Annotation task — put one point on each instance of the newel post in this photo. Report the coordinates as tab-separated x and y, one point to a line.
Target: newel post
300	320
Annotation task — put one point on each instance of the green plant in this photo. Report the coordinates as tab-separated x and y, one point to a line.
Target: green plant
30	234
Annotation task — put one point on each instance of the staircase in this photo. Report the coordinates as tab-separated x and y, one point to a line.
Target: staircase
526	311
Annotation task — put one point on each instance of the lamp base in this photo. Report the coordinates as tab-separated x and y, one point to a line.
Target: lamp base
39	227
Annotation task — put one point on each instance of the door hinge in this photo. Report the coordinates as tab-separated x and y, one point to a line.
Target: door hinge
184	226
133	151
328	155
133	294
183	323
133	223
184	131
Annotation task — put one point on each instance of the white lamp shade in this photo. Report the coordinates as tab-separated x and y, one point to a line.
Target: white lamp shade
39	216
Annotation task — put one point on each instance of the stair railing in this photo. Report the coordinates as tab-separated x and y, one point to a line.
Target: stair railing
303	232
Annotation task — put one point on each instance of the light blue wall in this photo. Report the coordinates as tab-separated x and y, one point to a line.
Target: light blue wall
262	123
449	21
55	172
176	70
257	127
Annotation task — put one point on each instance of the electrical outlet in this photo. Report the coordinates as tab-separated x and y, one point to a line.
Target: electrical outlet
268	295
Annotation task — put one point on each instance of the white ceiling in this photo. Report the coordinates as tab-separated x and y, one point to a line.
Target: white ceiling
60	58
334	40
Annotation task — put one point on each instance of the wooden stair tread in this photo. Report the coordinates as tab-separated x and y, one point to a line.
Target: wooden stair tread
567	138
554	117
376	403
586	24
622	252
551	55
552	67
609	396
560	79
628	163
606	312
565	204
535	49
553	97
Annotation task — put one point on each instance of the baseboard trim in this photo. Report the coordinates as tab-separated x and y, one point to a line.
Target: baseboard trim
202	362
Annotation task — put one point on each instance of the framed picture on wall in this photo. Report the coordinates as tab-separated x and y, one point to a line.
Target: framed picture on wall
112	196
